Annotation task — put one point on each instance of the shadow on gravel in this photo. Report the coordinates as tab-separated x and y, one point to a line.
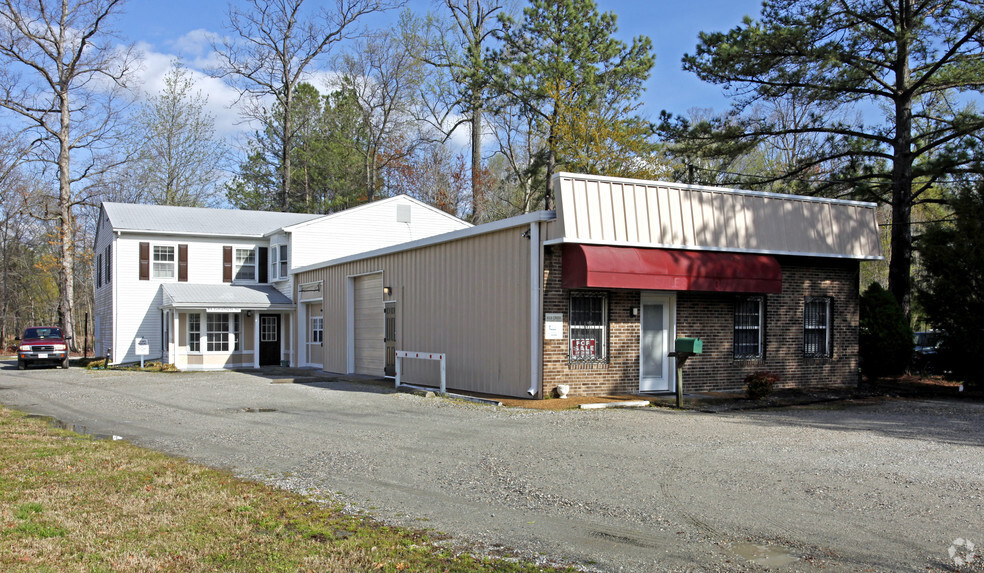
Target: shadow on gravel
321	379
935	420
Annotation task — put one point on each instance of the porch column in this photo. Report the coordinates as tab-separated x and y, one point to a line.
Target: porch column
256	339
172	357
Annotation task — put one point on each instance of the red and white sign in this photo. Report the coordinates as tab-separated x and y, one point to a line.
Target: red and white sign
583	347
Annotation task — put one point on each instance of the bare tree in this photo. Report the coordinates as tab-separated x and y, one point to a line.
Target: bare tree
60	69
177	158
384	78
272	48
456	46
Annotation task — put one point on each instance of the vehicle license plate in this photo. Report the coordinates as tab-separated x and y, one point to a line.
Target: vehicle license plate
42	355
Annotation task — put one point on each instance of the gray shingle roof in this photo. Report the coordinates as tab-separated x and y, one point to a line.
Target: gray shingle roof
194	220
222	296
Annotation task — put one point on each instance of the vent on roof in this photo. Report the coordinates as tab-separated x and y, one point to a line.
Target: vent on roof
403	213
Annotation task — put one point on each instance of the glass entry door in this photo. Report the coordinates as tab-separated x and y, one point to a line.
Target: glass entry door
656	332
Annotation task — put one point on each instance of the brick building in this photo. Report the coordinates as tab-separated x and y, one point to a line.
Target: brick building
593	294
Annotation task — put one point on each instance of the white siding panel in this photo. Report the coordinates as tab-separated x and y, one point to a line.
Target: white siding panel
366	228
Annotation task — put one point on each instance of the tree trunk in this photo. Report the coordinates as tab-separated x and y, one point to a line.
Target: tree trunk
285	149
900	265
66	233
476	160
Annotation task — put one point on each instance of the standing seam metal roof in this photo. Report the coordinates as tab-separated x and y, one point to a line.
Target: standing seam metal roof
197	220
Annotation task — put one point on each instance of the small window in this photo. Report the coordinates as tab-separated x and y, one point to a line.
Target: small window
589	327
194	333
749	321
268	329
283	261
317	328
816	326
245	265
163	262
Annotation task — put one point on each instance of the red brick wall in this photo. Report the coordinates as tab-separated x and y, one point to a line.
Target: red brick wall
710	316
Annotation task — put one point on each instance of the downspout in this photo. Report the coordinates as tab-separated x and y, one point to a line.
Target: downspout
536	303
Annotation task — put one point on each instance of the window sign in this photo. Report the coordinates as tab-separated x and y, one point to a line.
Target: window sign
583	349
553	326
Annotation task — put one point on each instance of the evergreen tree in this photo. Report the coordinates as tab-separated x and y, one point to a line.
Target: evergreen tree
919	64
561	60
951	288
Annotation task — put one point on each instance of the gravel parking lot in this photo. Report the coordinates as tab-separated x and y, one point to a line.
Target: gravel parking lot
867	486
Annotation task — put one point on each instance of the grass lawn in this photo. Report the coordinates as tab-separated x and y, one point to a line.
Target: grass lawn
73	503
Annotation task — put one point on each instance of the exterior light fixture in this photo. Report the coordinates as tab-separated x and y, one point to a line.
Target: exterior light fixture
387	290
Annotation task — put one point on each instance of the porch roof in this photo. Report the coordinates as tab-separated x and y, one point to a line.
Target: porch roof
224	296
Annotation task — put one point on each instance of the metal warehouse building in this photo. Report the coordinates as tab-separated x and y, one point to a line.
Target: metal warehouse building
594	294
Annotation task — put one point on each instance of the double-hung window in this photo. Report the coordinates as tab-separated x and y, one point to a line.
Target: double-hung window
589	327
245	264
194	333
282	261
816	326
317	328
221	332
163	262
749	327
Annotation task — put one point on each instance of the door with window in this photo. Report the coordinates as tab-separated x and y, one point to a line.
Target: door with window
269	339
316	334
656	369
389	336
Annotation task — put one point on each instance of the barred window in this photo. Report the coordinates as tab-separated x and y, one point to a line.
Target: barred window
749	327
816	326
589	327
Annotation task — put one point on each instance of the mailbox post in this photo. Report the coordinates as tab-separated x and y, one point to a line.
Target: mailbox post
683	349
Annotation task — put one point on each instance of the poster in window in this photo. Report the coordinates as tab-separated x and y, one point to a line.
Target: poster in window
583	348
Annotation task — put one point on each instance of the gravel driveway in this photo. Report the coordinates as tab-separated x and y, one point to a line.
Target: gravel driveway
885	486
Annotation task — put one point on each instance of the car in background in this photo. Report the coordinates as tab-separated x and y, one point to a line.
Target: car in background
42	345
927	343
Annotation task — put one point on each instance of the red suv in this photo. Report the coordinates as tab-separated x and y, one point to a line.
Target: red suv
42	344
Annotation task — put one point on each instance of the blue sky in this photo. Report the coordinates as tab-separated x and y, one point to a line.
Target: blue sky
178	28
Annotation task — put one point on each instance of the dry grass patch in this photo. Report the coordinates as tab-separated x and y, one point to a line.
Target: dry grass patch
73	503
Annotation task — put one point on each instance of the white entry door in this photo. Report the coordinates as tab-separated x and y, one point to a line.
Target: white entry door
656	373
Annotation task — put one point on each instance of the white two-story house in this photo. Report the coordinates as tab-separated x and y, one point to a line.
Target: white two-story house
212	288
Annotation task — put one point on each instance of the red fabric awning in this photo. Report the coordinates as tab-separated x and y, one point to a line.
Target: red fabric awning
591	266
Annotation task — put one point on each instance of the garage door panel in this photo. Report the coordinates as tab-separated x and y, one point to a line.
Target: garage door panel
368	336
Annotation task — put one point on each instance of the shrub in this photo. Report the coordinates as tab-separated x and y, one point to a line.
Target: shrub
760	384
885	341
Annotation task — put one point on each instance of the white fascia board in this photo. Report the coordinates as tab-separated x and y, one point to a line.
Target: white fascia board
708	188
185	234
203	305
517	221
563	240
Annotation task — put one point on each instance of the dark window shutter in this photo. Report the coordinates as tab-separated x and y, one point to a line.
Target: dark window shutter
183	263
262	269
109	265
227	264
99	272
145	261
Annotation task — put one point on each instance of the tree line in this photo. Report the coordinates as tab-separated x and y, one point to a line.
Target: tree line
874	101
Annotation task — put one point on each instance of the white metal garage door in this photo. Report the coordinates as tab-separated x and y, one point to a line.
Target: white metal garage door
369	347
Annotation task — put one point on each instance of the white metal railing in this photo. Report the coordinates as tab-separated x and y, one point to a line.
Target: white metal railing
400	354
